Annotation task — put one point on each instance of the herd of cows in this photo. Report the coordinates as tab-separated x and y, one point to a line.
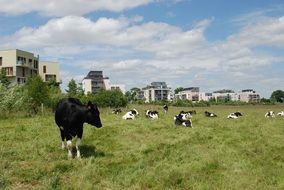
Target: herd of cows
71	114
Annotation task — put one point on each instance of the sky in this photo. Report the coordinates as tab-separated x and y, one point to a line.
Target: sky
212	44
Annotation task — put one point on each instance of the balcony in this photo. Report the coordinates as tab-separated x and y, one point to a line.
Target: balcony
21	63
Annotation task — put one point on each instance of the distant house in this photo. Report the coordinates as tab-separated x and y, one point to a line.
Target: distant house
190	93
249	95
157	91
225	95
95	81
18	65
49	71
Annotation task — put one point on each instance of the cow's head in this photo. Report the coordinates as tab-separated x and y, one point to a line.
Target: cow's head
93	115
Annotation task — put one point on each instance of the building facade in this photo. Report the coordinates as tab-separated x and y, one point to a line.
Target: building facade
49	71
95	81
249	95
18	65
157	91
225	95
191	93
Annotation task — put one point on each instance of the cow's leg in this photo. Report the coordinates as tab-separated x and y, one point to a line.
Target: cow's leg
69	144
78	143
62	138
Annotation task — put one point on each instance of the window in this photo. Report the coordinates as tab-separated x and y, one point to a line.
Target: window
0	61
8	71
44	69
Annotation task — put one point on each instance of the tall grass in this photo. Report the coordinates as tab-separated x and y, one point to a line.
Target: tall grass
216	153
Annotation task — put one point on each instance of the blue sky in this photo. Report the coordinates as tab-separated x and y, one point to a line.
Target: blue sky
211	44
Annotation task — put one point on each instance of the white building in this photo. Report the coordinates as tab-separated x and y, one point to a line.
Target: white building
157	91
249	95
225	95
204	96
49	70
191	93
95	81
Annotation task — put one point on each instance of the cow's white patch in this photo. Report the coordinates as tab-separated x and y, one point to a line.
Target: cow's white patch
69	147
78	143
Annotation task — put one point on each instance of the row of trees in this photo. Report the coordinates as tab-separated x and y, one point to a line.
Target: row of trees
35	94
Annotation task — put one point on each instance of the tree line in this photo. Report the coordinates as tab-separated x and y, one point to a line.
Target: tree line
35	94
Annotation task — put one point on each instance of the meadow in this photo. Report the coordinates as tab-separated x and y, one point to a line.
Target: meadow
217	153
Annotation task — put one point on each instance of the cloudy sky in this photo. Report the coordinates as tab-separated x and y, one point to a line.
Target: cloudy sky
235	44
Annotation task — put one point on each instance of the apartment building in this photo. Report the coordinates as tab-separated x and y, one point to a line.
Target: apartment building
157	91
190	93
225	95
49	70
249	95
18	65
95	81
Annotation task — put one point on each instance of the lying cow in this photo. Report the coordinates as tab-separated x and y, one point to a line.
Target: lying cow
152	114
280	113
182	119
116	111
269	114
70	115
208	114
130	115
235	115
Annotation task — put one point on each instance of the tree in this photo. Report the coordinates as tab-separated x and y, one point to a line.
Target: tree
37	92
133	94
110	98
177	90
277	96
72	88
4	79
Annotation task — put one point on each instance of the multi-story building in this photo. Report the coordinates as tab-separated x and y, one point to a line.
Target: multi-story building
249	95
49	71
204	96
95	81
157	91
225	95
18	65
191	93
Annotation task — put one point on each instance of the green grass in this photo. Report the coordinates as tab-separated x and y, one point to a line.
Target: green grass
217	153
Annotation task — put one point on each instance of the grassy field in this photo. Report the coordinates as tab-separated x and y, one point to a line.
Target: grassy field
217	153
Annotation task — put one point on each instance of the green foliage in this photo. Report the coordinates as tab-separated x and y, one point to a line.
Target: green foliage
37	93
72	90
277	96
179	89
4	79
11	99
110	98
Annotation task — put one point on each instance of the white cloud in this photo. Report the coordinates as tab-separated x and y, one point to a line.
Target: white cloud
128	48
67	7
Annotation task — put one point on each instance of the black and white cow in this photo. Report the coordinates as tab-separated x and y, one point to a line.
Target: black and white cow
152	114
182	119
208	114
116	111
131	114
280	113
166	108
235	115
269	114
70	115
186	114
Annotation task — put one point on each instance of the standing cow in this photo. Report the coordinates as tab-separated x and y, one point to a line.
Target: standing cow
70	115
